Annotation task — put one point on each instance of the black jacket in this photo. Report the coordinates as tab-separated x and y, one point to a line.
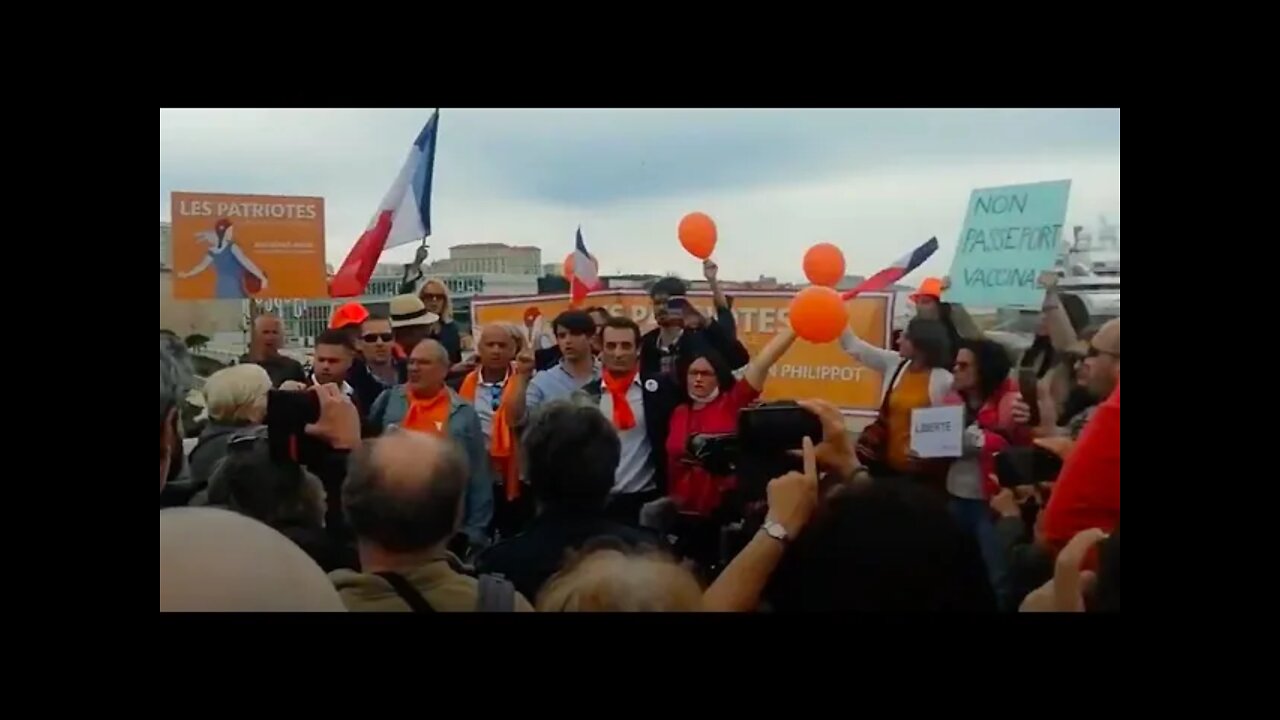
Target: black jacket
280	368
717	335
660	400
209	451
328	553
367	387
449	337
531	557
1030	565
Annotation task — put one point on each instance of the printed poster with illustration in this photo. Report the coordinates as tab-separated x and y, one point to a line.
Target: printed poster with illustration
233	247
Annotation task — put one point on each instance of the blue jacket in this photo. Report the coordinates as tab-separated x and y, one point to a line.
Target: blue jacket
464	427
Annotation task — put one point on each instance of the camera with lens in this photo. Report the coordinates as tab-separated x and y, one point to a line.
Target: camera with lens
758	451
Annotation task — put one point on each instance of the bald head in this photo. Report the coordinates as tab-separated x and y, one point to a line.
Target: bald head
404	491
430	350
218	561
1107	338
498	346
1103	361
268	333
428	367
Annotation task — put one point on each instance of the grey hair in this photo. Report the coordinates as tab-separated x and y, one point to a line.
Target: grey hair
176	374
516	332
437	349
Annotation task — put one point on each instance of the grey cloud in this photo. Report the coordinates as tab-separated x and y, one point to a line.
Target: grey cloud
874	180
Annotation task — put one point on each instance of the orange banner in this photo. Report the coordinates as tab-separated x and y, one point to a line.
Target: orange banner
806	371
247	246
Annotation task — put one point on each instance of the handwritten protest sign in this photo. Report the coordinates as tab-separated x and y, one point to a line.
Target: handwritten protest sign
935	431
1011	234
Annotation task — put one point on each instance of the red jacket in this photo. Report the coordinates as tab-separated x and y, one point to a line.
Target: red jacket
1000	432
1087	494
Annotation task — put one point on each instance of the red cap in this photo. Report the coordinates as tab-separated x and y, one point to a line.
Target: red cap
931	287
349	314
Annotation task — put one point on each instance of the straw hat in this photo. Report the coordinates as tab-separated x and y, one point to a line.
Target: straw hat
408	310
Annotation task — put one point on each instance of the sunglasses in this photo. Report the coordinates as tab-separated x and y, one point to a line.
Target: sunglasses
431	296
375	337
1095	352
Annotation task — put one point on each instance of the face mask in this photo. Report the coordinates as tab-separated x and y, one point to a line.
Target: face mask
715	393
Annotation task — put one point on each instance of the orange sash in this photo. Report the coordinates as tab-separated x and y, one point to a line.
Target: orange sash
429	415
502	446
623	418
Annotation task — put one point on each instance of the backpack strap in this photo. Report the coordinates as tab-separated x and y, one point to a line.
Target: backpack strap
407	592
893	380
497	594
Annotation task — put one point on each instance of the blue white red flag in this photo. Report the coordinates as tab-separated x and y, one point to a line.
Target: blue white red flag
403	217
586	272
895	272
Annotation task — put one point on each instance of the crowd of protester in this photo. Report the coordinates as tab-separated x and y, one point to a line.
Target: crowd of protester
570	478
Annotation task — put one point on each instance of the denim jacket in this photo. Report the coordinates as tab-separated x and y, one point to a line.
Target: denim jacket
464	427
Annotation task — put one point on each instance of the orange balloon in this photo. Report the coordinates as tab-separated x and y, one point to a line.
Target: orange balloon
818	314
698	234
824	264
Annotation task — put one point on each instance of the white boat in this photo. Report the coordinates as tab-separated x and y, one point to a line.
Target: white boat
1090	268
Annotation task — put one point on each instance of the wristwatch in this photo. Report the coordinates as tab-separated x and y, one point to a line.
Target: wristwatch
774	529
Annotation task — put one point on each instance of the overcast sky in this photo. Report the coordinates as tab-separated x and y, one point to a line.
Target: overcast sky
874	182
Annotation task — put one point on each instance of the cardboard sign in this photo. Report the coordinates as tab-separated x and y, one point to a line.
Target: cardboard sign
1011	235
936	431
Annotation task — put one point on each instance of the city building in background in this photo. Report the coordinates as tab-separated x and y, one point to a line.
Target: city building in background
166	245
491	259
488	269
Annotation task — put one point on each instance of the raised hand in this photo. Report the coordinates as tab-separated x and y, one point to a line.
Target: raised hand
794	496
710	269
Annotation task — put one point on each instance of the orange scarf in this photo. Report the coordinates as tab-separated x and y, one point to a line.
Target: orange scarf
430	415
623	418
502	444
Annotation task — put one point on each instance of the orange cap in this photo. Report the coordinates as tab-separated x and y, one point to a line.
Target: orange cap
931	287
349	314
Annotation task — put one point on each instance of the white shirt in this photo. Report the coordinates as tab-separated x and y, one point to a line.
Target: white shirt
635	468
346	386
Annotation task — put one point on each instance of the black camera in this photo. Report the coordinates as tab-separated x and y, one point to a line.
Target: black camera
288	414
758	451
1026	466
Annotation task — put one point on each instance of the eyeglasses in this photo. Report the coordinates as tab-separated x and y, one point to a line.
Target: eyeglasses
375	337
1095	352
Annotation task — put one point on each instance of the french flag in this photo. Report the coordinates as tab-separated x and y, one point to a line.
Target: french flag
586	274
403	217
895	272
